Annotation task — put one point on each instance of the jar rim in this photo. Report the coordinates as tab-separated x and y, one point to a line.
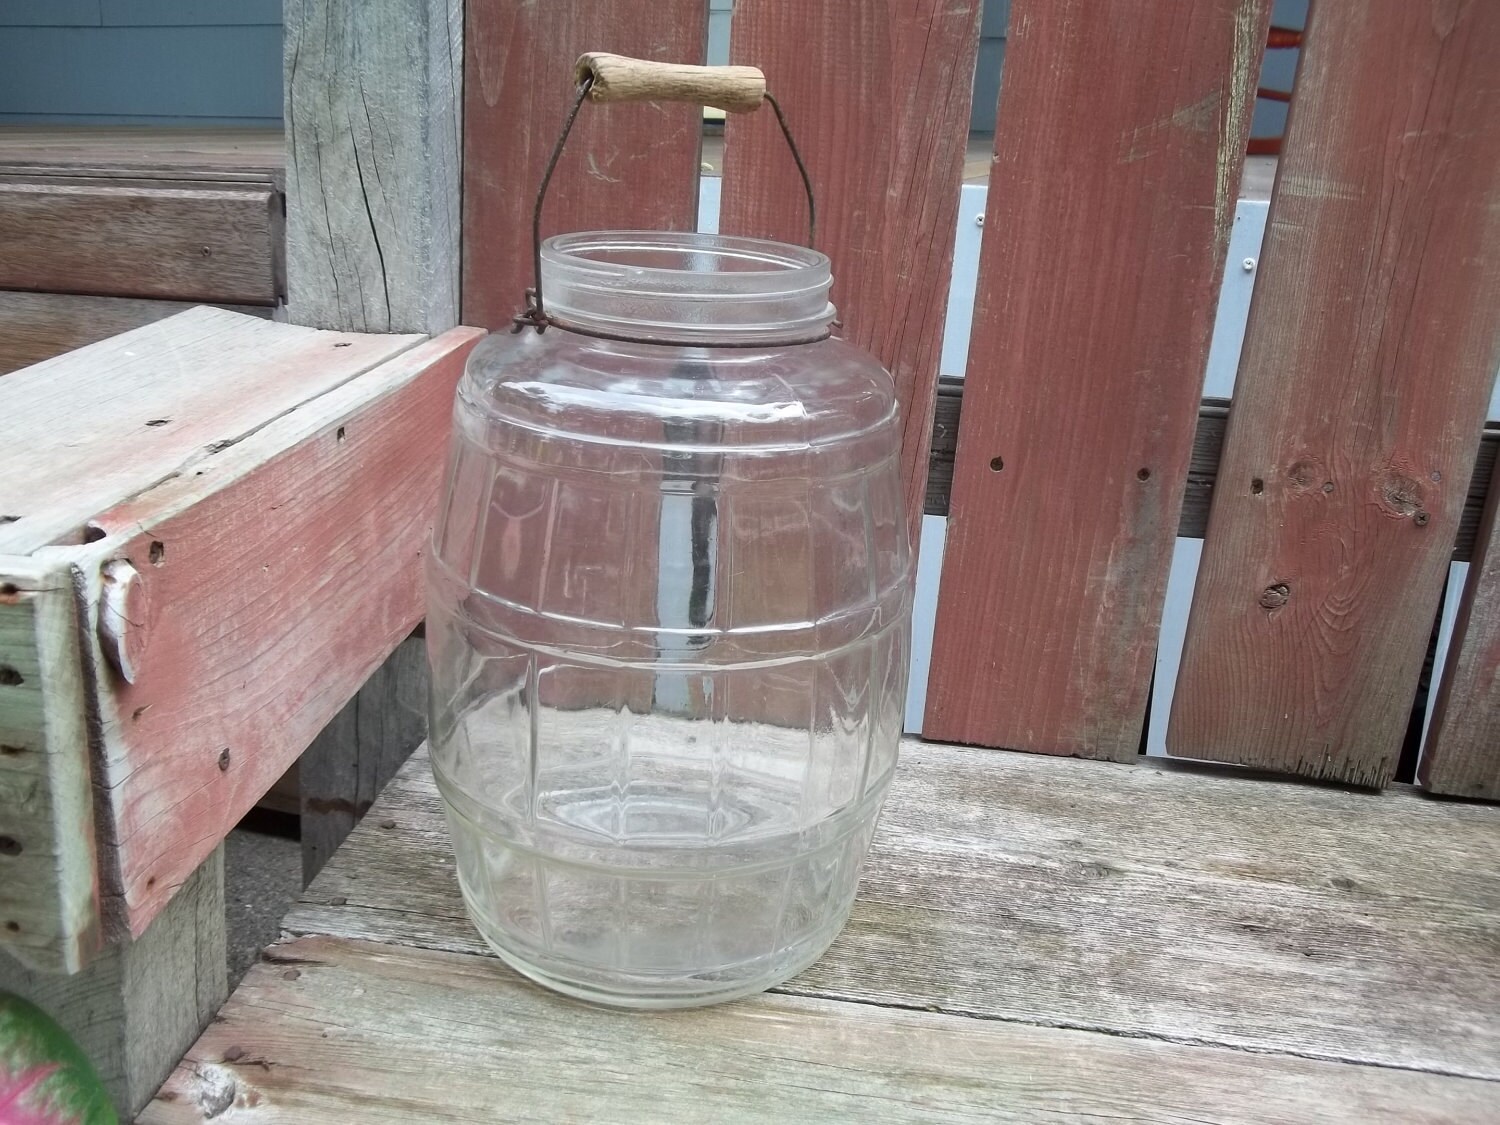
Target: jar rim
686	287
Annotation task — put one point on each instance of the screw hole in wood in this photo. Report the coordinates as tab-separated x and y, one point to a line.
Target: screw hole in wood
340	434
9	590
93	533
1143	474
158	552
9	677
9	845
996	464
1257	486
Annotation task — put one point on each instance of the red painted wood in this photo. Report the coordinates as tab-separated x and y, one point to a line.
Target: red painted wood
1367	366
1121	136
1462	757
626	167
877	95
276	579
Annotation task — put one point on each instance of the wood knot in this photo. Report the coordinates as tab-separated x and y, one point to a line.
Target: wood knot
1400	494
1275	596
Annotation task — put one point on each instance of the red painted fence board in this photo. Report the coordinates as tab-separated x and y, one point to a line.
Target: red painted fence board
1368	362
1463	743
1121	137
627	166
877	95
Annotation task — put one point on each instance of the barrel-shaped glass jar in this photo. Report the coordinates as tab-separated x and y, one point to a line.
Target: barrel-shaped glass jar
669	620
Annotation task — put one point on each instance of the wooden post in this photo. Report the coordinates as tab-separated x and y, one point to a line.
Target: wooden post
347	766
373	126
140	1004
374	131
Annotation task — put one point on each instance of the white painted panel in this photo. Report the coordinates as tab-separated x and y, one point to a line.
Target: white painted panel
955	354
924	615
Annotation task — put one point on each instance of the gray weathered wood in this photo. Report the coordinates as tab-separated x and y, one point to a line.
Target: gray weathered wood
49	902
373	128
1181	903
140	1004
38	326
349	763
1203	470
327	1030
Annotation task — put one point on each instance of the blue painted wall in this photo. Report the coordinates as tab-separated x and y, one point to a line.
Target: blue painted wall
186	62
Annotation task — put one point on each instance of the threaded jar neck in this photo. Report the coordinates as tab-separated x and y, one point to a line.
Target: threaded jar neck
676	287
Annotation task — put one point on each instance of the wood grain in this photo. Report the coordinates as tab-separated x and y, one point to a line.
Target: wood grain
1368	362
107	421
374	126
327	1031
1169	902
38	326
172	150
1203	468
627	167
281	572
49	893
1083	391
1462	756
615	78
193	242
141	1004
877	96
355	755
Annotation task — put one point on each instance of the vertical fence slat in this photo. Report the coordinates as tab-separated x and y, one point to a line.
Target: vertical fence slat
1463	741
627	166
1121	136
877	95
1367	366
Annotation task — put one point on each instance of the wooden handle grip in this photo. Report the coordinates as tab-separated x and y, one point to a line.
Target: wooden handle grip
734	89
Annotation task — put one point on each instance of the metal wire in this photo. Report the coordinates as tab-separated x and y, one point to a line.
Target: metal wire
534	314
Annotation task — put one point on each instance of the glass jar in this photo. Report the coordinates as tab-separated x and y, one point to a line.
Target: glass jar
669	618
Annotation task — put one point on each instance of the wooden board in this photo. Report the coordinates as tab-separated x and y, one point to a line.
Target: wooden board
162	151
188	242
627	167
140	1004
1203	469
1462	756
327	1031
38	326
877	96
355	755
278	575
373	135
49	908
1117	159
1167	902
152	402
1368	362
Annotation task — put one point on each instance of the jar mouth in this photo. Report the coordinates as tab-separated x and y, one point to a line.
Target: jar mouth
681	287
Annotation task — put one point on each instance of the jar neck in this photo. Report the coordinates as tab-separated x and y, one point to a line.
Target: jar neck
673	287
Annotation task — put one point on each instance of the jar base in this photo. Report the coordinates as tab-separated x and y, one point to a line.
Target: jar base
655	992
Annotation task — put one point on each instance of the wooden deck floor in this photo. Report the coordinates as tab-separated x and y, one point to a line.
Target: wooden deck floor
1036	940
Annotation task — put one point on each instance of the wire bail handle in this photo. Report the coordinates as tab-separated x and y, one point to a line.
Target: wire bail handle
603	77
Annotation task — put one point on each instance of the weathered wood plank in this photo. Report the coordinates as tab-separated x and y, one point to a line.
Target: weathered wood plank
353	757
184	243
373	128
1368	362
877	96
1082	395
168	152
151	402
141	1004
38	326
1462	756
627	167
1203	469
1173	902
49	895
327	1030
278	574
